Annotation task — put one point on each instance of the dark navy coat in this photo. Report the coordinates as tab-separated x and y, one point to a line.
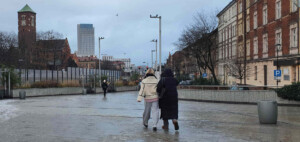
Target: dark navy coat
169	102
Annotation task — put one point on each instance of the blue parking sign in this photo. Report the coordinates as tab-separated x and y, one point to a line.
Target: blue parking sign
204	75
277	73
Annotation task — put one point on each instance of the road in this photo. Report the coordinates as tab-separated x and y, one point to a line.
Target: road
92	118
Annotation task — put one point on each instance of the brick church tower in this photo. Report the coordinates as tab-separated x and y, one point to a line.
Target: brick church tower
26	32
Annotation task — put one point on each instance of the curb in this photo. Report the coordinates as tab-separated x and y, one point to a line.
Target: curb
231	102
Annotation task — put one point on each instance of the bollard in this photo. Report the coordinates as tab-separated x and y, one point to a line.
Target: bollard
22	95
267	112
84	92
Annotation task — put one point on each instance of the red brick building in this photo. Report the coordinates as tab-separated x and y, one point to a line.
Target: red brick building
52	54
272	25
42	54
26	32
87	62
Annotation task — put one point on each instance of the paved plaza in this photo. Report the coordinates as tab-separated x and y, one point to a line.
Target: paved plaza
85	118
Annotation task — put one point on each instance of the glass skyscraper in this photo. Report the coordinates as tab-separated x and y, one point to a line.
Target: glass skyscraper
85	40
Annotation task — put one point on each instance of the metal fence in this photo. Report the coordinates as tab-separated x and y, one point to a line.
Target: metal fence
71	73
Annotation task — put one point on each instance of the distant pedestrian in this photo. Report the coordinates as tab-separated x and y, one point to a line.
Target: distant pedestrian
168	101
148	92
104	87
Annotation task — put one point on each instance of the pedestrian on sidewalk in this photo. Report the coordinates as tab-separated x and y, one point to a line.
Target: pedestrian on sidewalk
104	87
148	92
168	99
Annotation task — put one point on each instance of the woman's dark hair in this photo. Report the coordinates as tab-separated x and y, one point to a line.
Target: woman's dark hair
167	73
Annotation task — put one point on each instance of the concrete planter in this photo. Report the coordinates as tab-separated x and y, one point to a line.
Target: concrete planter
267	112
126	88
22	95
34	92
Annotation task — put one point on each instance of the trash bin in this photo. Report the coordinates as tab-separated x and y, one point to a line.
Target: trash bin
22	95
267	112
84	92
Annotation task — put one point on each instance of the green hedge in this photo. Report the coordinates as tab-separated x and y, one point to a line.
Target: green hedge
290	92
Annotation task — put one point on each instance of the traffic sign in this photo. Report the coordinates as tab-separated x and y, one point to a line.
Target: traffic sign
204	75
277	73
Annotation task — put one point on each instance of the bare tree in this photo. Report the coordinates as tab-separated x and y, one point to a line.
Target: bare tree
48	35
8	48
236	69
200	42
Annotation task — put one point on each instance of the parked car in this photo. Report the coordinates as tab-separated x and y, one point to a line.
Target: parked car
186	82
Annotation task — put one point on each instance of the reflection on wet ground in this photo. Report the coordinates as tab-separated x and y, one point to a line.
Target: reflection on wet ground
118	117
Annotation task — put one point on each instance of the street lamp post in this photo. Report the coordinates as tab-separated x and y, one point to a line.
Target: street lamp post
277	49
155	40
100	61
152	57
159	17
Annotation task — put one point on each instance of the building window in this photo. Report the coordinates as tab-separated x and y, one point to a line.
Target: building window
293	36
234	49
278	9
255	72
248	24
255	45
294	5
32	21
240	29
240	7
234	30
255	20
265	43
223	35
229	50
234	10
286	75
248	48
265	14
220	53
278	36
229	32
23	20
225	52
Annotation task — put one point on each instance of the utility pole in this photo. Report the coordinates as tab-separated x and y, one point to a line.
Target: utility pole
155	40
100	61
152	57
159	17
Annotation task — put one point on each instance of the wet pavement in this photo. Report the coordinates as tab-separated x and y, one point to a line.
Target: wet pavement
118	118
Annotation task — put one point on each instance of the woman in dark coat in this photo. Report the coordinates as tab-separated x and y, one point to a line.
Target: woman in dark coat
168	103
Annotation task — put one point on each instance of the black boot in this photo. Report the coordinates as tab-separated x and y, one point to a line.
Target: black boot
175	122
166	125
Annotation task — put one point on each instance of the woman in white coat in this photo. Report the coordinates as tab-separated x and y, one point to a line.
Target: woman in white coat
148	92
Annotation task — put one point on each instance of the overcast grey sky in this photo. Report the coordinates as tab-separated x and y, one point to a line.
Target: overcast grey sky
130	32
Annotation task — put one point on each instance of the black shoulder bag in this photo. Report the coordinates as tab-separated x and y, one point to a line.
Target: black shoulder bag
163	89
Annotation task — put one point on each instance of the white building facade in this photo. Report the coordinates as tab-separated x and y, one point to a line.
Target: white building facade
85	40
227	46
127	62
